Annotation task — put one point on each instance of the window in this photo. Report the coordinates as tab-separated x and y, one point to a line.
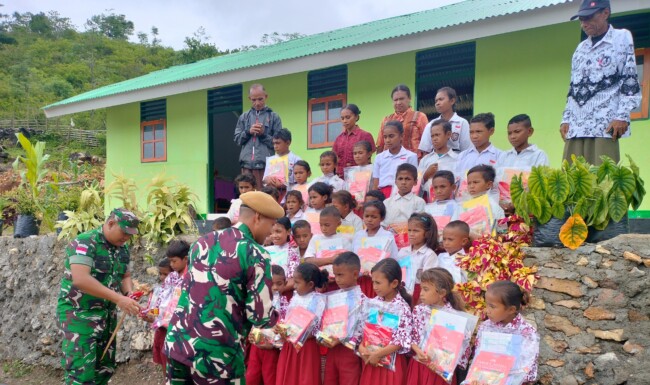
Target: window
643	69
639	25
446	67
327	91
153	131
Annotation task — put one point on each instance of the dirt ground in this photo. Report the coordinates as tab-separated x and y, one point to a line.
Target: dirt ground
12	373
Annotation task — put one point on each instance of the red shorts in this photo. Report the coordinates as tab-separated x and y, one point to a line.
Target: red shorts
158	344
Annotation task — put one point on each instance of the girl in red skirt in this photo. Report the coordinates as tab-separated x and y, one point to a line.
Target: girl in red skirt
387	282
423	240
437	291
303	367
262	364
374	212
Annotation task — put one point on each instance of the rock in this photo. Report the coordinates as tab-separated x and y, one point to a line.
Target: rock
630	256
46	340
558	346
537	304
142	341
568	380
590	283
589	370
569	303
560	324
571	288
608	284
546	379
601	250
611	298
595	349
552	265
635	316
613	335
607	263
636	273
555	363
152	270
606	360
631	348
646	262
598	314
583	261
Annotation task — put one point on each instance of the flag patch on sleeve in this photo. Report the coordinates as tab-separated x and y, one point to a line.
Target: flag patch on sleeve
81	249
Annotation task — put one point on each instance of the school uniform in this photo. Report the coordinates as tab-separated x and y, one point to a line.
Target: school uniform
291	160
352	220
385	167
418	373
448	262
400	207
332	180
298	216
528	157
471	157
311	252
421	259
262	364
365	281
459	140
445	161
374	375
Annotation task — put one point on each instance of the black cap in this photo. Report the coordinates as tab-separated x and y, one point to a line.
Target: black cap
589	7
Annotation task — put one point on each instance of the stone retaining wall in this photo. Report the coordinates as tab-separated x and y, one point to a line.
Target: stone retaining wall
591	308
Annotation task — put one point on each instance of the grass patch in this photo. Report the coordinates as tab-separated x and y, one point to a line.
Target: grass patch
16	369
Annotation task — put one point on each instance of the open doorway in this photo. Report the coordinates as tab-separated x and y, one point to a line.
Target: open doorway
224	108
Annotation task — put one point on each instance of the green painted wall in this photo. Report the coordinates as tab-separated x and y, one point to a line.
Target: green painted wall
528	72
186	134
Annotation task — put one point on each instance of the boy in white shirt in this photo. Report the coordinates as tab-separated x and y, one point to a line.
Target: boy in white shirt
442	157
522	154
330	220
481	128
400	206
455	238
480	180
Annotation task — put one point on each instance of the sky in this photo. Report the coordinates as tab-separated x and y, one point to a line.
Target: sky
229	24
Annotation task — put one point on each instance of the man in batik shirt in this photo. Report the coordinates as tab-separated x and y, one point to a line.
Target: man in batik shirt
226	291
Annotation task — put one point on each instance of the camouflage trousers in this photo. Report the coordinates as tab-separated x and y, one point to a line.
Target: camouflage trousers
181	374
85	335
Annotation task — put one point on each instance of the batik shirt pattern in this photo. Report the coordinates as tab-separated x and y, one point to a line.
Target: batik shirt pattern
227	290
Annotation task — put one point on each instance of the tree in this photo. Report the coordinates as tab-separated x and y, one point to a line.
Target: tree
112	26
270	39
198	47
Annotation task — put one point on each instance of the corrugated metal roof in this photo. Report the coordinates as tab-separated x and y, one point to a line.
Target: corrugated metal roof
460	13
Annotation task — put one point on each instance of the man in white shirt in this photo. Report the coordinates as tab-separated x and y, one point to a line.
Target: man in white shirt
604	87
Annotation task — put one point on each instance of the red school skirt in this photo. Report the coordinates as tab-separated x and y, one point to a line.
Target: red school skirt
416	294
262	366
419	374
374	375
159	356
365	284
299	368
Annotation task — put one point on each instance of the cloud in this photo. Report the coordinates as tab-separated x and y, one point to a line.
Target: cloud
230	24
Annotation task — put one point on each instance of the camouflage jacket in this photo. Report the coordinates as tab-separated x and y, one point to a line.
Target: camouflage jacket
108	264
226	291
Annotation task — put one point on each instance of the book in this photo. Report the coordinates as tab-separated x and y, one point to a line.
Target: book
490	368
329	248
408	273
341	314
357	181
278	257
278	167
477	213
314	221
373	250
297	324
401	231
378	332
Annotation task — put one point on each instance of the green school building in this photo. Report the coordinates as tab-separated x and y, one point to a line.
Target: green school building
502	56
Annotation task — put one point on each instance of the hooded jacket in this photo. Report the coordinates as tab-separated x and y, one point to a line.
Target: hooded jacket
255	149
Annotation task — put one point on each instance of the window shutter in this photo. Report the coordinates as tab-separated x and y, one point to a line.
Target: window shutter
327	82
153	110
225	99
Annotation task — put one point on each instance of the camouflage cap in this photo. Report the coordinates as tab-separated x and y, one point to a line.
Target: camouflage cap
127	221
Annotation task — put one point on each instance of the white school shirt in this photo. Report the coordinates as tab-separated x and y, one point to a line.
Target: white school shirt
299	215
311	248
381	232
459	141
443	208
471	157
528	157
291	158
493	198
399	208
332	180
421	259
447	162
353	220
385	167
448	262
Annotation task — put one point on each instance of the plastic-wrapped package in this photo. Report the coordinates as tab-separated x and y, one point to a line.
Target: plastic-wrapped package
342	316
303	317
503	357
373	250
357	181
504	179
401	232
409	272
168	302
477	213
278	167
382	321
328	248
279	256
446	337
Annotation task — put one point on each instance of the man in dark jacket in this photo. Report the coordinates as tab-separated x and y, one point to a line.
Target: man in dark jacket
254	133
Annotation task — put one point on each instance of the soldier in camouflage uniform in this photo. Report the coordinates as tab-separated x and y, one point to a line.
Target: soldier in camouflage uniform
227	289
96	280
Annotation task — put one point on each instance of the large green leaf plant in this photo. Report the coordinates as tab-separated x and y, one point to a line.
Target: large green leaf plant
598	194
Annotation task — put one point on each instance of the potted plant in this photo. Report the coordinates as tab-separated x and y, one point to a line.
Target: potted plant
67	199
27	209
87	215
579	198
